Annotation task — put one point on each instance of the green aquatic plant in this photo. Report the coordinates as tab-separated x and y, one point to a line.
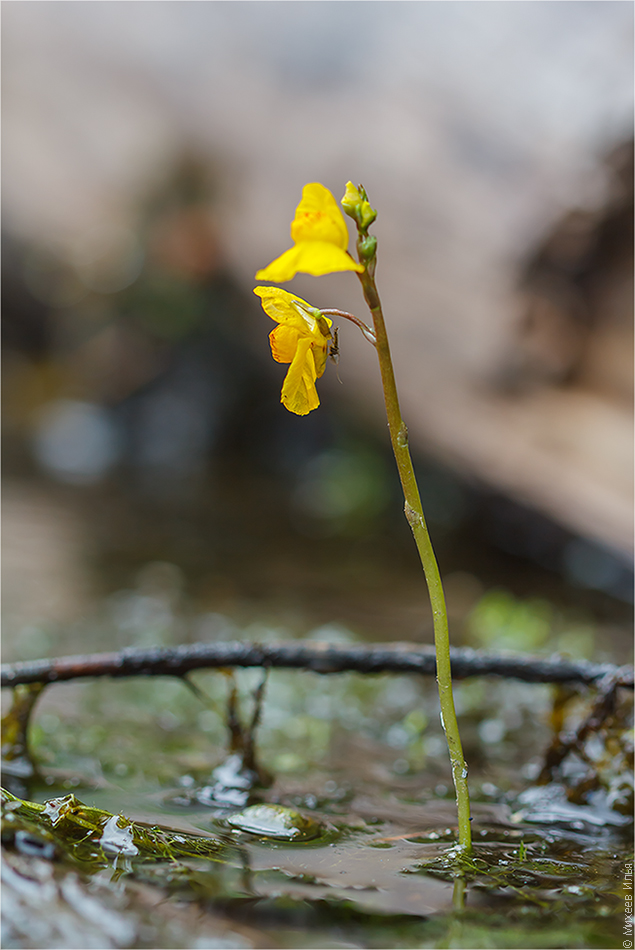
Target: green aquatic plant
304	338
93	838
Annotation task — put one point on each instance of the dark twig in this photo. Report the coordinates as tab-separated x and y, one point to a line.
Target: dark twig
316	657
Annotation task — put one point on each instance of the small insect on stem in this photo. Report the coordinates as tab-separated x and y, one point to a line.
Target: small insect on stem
334	348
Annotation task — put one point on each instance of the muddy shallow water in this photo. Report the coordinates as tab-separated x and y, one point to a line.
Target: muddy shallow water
363	756
373	877
363	769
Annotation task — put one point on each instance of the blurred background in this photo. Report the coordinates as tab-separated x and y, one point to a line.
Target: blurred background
155	490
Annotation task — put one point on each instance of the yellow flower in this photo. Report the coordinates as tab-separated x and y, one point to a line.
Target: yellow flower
302	339
320	238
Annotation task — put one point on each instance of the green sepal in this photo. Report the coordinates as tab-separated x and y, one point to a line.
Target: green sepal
367	248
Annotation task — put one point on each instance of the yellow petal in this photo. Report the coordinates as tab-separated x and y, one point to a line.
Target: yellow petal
284	343
283	268
309	257
319	257
283	307
318	218
299	394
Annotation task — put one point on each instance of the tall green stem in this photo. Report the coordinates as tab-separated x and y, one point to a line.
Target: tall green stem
416	520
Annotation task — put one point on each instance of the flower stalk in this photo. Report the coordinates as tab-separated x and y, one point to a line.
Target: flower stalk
366	246
366	330
304	339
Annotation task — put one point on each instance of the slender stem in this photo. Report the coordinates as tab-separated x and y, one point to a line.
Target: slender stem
366	330
414	514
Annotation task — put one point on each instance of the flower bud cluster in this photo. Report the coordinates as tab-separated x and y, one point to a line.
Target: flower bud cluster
357	206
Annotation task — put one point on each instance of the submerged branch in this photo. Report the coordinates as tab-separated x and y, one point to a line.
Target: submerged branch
564	743
316	657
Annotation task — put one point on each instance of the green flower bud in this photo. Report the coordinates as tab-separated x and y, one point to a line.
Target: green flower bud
356	205
367	248
351	201
366	215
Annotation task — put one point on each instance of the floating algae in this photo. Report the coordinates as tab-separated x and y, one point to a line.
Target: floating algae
91	837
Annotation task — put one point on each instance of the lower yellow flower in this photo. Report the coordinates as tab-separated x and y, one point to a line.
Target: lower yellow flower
301	338
320	239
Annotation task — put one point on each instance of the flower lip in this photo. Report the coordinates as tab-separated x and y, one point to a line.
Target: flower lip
320	238
302	339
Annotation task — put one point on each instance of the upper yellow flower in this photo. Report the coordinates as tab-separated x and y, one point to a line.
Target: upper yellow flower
320	238
302	339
